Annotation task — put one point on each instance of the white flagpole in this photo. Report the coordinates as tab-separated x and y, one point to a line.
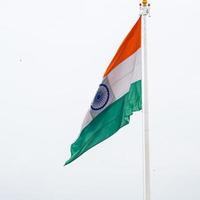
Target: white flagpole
145	7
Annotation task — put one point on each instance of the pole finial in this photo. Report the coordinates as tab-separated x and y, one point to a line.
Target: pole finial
144	8
144	2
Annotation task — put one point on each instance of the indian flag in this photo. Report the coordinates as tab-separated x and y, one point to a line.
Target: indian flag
118	96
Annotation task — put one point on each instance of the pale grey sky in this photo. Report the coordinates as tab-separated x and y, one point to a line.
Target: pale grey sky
52	57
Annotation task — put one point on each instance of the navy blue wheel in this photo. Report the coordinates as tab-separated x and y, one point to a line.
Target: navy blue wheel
101	98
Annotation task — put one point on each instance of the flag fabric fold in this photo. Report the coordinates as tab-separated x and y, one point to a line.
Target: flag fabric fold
118	96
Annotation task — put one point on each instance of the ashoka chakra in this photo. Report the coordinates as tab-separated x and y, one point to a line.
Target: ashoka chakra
101	98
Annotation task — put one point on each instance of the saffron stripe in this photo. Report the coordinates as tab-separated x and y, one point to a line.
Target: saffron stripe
130	45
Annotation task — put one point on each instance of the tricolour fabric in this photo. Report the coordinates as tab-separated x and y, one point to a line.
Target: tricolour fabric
118	96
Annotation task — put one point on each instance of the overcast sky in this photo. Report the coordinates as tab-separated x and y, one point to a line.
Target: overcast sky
52	57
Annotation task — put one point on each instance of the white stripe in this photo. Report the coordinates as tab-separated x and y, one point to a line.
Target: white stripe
126	73
87	120
120	78
137	73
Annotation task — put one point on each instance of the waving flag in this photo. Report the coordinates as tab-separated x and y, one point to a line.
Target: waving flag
118	96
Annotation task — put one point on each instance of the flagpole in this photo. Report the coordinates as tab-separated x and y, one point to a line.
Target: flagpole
144	11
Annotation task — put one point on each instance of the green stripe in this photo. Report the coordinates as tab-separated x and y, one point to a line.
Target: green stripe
108	122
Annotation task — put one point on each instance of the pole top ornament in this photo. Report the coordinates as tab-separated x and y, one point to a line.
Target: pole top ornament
145	8
144	2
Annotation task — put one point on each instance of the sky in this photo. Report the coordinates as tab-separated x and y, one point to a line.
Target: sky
52	58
